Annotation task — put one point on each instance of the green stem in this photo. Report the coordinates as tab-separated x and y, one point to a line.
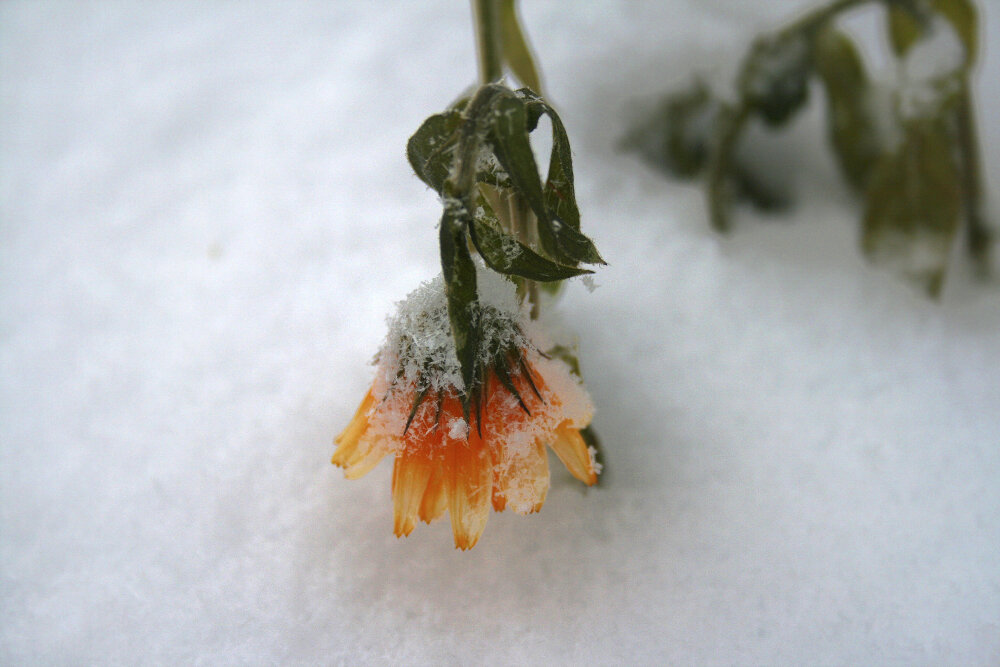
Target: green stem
720	168
979	236
486	14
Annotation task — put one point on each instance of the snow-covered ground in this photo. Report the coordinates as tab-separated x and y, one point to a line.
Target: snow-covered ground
205	217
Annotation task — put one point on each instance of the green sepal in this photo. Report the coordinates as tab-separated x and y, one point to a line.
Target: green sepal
501	372
505	254
913	203
431	148
850	127
459	273
516	51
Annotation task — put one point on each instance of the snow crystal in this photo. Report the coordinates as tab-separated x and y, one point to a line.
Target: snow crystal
458	429
419	348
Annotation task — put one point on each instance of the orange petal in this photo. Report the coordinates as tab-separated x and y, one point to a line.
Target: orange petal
572	451
410	474
470	482
348	440
367	455
523	482
435	499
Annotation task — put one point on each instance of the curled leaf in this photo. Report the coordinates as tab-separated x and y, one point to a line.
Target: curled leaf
505	254
431	148
508	135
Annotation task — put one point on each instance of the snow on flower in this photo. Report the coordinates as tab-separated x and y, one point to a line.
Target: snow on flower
467	459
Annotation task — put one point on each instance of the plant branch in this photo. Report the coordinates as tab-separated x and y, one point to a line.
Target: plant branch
486	15
979	235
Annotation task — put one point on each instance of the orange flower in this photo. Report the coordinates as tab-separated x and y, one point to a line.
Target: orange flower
442	462
464	449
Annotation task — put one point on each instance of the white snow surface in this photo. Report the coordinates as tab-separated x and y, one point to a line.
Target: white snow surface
205	216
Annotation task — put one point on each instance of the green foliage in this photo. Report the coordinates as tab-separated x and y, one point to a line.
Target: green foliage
851	128
913	203
914	160
479	160
503	253
460	284
516	52
430	149
908	24
774	82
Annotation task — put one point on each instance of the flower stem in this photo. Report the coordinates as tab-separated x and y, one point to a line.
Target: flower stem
979	235
486	15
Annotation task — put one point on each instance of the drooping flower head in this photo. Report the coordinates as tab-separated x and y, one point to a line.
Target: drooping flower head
465	449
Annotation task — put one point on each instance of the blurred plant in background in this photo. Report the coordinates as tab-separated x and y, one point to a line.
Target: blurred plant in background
469	390
910	150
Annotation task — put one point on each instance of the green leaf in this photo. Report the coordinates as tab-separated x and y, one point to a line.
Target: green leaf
460	284
774	81
907	25
850	127
679	134
565	244
516	51
913	204
567	355
505	254
904	29
430	150
964	19
508	125
560	232
560	193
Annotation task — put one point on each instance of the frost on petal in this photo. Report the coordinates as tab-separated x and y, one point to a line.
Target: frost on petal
368	454
522	482
450	457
